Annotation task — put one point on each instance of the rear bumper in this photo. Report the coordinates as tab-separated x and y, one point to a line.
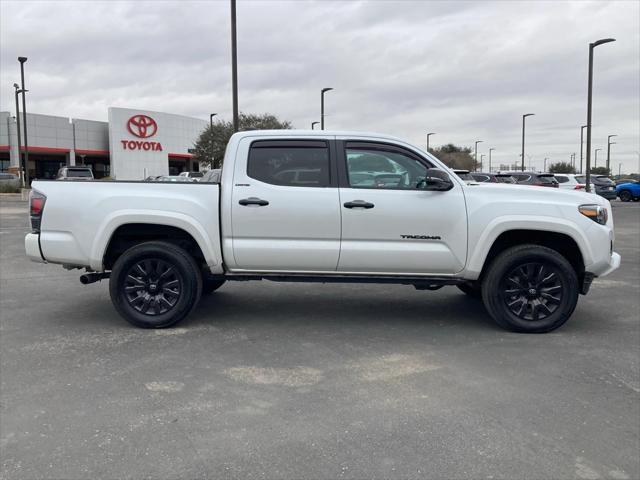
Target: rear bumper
608	194
32	247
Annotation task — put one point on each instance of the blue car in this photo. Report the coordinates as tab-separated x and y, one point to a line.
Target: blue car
628	191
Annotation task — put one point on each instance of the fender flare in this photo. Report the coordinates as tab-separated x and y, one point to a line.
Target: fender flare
152	217
502	224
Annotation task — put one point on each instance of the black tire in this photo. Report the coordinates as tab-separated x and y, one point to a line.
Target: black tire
211	284
155	285
625	196
636	199
472	289
522	297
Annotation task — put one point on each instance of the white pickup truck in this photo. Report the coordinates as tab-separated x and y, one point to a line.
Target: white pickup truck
319	206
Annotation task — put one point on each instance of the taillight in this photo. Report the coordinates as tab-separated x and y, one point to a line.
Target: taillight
579	187
36	206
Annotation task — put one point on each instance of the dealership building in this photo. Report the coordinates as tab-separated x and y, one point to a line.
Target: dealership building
132	145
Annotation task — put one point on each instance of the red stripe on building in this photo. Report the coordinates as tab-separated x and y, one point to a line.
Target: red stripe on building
181	155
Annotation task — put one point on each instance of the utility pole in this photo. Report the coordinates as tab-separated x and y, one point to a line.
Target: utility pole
589	104
234	67
27	182
490	150
428	135
475	156
20	159
581	144
609	143
523	118
322	92
313	124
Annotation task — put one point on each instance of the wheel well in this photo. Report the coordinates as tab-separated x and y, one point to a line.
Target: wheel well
560	242
129	235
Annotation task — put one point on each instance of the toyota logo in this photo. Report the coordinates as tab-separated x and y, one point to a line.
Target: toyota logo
142	126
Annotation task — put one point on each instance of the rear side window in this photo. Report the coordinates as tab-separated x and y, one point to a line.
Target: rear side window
548	179
581	178
562	178
481	178
296	163
521	178
79	173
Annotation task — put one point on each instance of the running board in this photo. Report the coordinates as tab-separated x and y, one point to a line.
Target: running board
420	282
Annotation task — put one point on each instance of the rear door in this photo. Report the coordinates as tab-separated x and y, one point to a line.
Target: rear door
389	223
285	206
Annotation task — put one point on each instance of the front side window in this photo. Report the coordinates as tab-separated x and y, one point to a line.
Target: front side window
292	164
369	167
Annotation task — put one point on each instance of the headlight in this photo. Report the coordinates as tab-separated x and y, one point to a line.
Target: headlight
596	213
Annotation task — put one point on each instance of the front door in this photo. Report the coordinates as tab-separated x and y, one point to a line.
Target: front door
390	224
285	206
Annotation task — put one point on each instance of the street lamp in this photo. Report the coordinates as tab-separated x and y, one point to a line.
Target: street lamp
609	143
234	67
322	92
475	156
24	122
523	117
490	150
596	160
20	161
581	143
313	124
428	135
589	102
544	165
211	115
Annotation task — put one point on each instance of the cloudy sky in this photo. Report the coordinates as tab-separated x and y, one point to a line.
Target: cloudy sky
465	70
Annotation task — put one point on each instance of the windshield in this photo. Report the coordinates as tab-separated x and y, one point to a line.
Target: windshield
196	174
80	173
604	180
505	179
466	176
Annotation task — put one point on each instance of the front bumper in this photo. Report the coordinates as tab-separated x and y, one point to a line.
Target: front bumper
32	247
613	264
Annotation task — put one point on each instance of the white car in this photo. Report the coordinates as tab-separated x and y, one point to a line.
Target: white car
194	176
528	252
572	181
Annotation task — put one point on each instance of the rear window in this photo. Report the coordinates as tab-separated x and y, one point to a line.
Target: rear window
480	178
79	173
604	180
296	163
547	179
563	178
581	179
505	179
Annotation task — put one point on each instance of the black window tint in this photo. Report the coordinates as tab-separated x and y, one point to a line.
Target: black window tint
293	164
562	178
581	178
548	179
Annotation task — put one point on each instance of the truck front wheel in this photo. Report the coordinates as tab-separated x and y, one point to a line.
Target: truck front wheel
530	289
155	284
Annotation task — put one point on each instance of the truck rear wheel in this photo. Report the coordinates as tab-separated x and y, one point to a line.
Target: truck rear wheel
530	289
155	284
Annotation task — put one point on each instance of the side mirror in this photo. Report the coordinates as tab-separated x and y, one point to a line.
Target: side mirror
437	180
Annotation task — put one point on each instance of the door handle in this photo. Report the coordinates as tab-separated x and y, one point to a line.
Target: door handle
359	204
253	201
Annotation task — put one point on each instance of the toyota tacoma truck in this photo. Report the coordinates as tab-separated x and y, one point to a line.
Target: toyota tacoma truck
319	206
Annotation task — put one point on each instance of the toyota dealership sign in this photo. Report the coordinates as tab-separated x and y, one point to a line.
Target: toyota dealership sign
142	126
142	143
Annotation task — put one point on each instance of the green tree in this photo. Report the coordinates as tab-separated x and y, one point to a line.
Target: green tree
454	156
210	146
562	167
600	171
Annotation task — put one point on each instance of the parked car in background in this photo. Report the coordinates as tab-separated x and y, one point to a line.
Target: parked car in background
571	181
75	173
195	176
535	178
9	183
626	180
464	175
628	191
605	187
8	177
482	177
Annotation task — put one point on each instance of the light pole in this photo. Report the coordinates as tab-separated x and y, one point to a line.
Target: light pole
24	122
234	67
475	156
322	92
523	117
589	102
544	165
490	150
595	165
581	144
20	162
481	161
609	143
619	168
313	124
428	135
211	115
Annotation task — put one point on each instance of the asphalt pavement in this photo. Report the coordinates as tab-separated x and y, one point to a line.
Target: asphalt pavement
269	380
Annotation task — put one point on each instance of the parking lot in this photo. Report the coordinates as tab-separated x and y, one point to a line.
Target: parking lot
270	380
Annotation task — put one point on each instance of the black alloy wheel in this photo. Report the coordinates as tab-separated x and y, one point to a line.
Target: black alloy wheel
533	291
152	286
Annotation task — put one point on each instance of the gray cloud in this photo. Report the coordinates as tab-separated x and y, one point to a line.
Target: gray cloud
466	70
